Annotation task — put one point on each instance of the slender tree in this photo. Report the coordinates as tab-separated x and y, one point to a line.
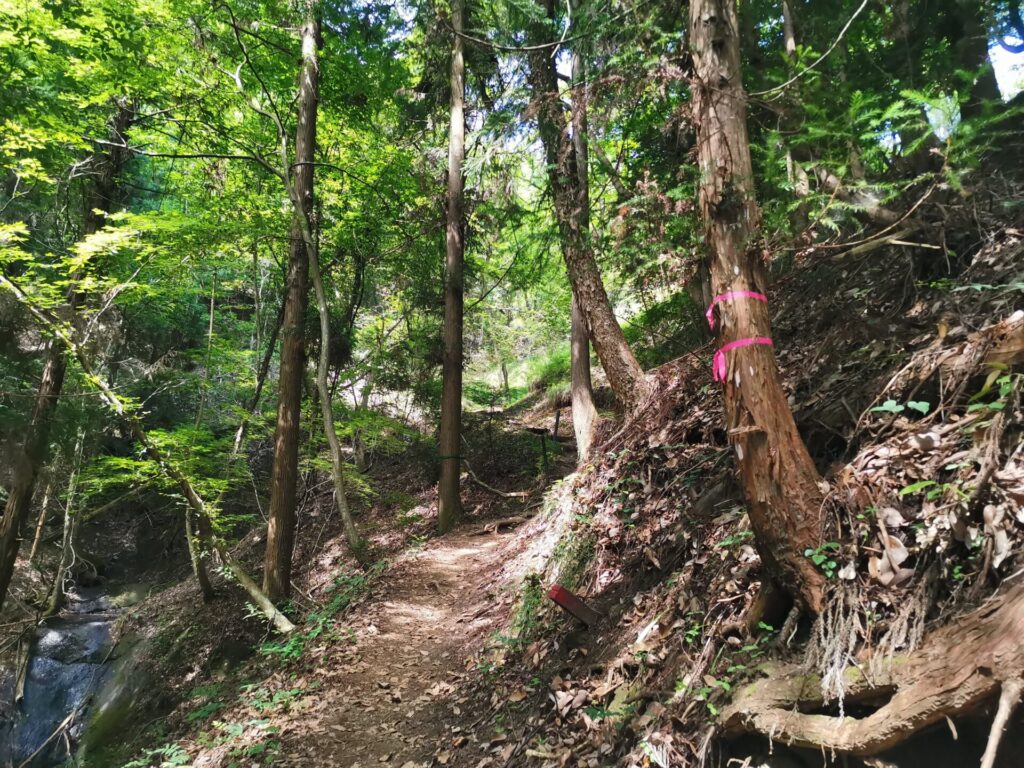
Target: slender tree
778	477
277	563
620	365
584	412
66	562
449	505
100	194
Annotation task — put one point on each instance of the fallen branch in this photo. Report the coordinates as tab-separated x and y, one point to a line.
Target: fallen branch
958	667
492	489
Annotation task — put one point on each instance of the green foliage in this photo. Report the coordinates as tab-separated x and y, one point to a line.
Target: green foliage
165	756
574	553
735	539
1004	385
526	616
666	329
322	622
822	558
894	407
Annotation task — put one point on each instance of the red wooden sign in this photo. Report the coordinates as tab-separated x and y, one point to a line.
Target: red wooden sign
572	605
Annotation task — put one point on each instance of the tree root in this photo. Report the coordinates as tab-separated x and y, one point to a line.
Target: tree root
1009	697
959	667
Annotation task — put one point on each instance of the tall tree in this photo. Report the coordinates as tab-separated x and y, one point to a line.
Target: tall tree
277	563
584	412
624	372
304	208
779	479
98	198
449	505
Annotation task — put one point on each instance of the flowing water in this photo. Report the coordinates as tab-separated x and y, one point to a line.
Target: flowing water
66	666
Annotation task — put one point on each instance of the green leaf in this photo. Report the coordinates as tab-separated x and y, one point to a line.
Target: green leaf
920	485
889	406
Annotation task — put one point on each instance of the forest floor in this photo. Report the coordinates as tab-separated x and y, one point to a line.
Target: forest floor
383	668
385	699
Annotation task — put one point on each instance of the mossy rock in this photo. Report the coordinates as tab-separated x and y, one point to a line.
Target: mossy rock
128	698
130	595
121	698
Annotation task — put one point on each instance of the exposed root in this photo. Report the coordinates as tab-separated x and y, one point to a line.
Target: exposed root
957	668
1009	697
837	632
1001	344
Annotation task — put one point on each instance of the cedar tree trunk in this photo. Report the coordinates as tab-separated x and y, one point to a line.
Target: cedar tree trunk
779	479
449	506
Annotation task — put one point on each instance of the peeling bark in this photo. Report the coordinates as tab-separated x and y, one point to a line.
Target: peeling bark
779	479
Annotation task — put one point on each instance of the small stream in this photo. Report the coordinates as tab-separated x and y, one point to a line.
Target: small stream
66	666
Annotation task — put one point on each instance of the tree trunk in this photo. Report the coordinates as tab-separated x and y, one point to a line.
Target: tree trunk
624	373
27	463
35	447
449	506
788	30
195	550
359	438
195	556
67	543
277	564
303	204
778	477
261	378
584	413
44	507
971	55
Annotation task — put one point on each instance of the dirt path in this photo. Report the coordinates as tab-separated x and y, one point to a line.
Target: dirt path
386	702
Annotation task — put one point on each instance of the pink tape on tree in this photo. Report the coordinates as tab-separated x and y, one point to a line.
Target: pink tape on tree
729	296
718	366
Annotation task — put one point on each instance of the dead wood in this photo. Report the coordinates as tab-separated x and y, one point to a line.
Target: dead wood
1001	343
1009	697
957	668
491	488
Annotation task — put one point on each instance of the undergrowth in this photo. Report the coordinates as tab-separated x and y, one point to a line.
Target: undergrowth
322	622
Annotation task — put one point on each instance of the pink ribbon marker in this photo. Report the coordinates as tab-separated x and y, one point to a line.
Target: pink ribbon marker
718	366
729	296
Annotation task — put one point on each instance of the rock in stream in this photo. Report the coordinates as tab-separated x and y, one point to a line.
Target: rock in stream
66	665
